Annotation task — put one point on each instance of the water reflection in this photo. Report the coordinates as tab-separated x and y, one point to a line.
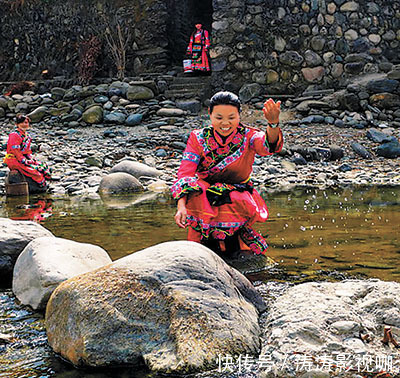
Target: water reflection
309	231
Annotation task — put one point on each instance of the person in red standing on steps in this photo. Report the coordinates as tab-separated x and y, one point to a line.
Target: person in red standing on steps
19	154
215	197
197	50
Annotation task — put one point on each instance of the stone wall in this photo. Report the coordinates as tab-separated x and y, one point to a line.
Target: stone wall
284	46
43	34
273	46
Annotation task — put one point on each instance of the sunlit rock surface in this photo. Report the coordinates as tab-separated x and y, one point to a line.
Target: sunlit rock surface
14	236
321	321
176	306
46	262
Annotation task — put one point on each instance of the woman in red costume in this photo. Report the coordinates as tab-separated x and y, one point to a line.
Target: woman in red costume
19	154
197	50
216	198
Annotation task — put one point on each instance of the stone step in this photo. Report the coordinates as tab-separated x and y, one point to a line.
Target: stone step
194	86
192	79
182	94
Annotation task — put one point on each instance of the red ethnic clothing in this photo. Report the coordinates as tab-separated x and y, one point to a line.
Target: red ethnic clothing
215	175
19	157
197	50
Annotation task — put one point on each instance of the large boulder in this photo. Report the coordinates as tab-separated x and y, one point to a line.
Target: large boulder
46	262
92	115
14	237
119	182
337	323
176	306
135	169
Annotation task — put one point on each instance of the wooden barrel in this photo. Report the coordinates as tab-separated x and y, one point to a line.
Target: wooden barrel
16	189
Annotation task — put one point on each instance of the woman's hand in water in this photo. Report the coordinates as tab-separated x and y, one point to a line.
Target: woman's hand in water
181	213
272	110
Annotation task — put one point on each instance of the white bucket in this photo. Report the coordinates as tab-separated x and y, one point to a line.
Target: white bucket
187	65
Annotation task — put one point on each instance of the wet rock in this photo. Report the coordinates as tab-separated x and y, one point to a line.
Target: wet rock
93	115
345	168
361	150
158	305
14	236
46	262
119	182
389	150
135	169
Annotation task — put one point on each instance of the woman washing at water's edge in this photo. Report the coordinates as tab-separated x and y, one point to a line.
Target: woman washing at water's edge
216	198
19	154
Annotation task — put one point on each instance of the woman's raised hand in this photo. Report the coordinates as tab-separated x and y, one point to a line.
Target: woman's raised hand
272	110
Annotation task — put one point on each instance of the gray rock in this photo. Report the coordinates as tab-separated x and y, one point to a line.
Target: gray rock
38	114
93	115
361	150
322	318
291	58
134	119
385	100
137	92
192	106
312	58
14	236
46	262
382	85
115	117
119	182
389	150
249	91
379	137
170	112
135	169
158	305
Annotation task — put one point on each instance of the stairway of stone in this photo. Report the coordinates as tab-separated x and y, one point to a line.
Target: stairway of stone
189	87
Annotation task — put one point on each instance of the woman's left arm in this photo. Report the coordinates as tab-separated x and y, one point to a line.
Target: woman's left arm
272	140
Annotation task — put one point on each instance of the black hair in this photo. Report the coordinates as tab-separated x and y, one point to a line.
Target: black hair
19	118
224	98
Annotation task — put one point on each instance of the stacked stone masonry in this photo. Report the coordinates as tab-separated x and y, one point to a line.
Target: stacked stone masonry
278	46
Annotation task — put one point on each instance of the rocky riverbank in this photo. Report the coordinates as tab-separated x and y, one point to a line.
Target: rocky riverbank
83	132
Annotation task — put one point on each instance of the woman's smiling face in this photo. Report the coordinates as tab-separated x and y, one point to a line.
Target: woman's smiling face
225	119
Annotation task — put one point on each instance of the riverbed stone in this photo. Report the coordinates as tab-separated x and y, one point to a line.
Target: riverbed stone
38	114
385	100
322	319
389	150
93	115
138	92
46	262
14	236
135	169
119	182
382	86
379	137
170	112
176	306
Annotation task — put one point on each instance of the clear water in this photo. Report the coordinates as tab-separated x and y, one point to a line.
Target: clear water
313	235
